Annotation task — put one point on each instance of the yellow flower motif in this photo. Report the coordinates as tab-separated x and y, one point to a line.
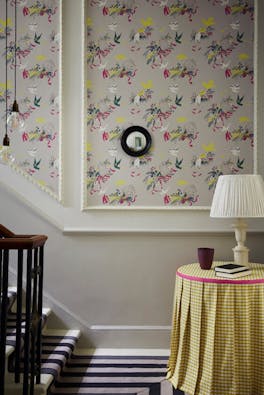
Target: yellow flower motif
208	85
40	57
3	85
5	23
89	21
209	148
88	84
141	30
202	30
147	85
181	56
182	182
202	156
88	147
120	183
120	56
243	56
147	22
120	119
208	22
244	119
181	119
149	55
42	183
40	120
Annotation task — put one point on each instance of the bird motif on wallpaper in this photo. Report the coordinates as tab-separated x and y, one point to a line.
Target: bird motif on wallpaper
235	151
235	88
112	26
174	88
174	25
33	89
136	38
198	36
235	25
112	88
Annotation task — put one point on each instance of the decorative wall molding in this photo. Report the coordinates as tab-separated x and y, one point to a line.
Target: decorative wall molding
217	56
37	146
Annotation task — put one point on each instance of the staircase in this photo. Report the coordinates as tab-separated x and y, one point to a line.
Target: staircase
56	346
68	370
37	360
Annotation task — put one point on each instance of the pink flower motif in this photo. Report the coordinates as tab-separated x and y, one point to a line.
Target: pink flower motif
25	11
166	10
228	136
25	73
105	199
227	10
166	73
228	73
166	136
105	73
24	136
105	11
166	199
105	136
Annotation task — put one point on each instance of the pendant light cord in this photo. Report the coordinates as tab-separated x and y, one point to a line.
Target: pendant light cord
15	47
6	138
6	69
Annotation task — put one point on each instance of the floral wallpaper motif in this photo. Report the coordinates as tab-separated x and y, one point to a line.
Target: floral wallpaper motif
183	69
35	147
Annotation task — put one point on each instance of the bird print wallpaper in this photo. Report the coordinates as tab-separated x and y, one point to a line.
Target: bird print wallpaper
182	69
35	56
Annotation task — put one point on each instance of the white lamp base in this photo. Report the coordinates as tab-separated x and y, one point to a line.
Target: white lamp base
240	250
241	255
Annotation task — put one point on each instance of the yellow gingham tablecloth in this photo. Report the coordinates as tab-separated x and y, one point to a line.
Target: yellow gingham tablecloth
217	339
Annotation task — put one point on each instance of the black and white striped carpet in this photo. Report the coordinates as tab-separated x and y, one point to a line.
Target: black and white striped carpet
114	375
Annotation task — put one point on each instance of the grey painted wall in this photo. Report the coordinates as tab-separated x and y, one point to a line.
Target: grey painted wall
112	273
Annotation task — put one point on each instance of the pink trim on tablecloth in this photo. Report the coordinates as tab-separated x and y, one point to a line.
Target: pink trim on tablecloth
220	280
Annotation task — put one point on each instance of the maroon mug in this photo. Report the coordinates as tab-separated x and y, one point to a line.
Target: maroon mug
205	257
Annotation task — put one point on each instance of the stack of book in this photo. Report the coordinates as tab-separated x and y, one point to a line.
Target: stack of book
232	270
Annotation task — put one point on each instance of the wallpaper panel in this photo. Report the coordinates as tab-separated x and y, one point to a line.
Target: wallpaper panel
36	146
184	71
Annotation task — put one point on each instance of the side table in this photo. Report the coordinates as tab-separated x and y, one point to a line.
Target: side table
217	339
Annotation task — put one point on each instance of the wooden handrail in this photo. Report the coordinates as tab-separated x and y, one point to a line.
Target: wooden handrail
4	232
11	241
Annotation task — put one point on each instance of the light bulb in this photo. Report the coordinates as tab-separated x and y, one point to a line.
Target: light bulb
6	155
15	121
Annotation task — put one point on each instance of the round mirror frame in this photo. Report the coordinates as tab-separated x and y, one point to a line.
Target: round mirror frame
127	132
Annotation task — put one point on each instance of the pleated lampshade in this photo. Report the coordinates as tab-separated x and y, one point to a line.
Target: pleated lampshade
238	196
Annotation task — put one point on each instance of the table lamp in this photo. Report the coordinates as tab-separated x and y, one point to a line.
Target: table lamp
239	196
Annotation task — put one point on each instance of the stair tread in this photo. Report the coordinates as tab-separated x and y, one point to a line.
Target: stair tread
57	346
113	374
11	325
11	295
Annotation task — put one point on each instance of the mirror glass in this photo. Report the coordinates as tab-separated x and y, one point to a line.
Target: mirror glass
136	141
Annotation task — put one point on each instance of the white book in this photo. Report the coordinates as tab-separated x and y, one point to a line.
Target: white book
230	268
233	275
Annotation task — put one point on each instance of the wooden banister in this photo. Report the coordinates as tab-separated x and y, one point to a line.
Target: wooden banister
33	269
22	242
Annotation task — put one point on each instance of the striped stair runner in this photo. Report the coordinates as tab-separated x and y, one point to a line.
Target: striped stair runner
113	375
66	373
56	349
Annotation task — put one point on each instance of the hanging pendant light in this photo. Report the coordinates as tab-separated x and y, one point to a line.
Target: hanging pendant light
15	120
5	153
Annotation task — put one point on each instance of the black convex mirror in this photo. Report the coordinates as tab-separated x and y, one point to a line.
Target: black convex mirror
136	141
